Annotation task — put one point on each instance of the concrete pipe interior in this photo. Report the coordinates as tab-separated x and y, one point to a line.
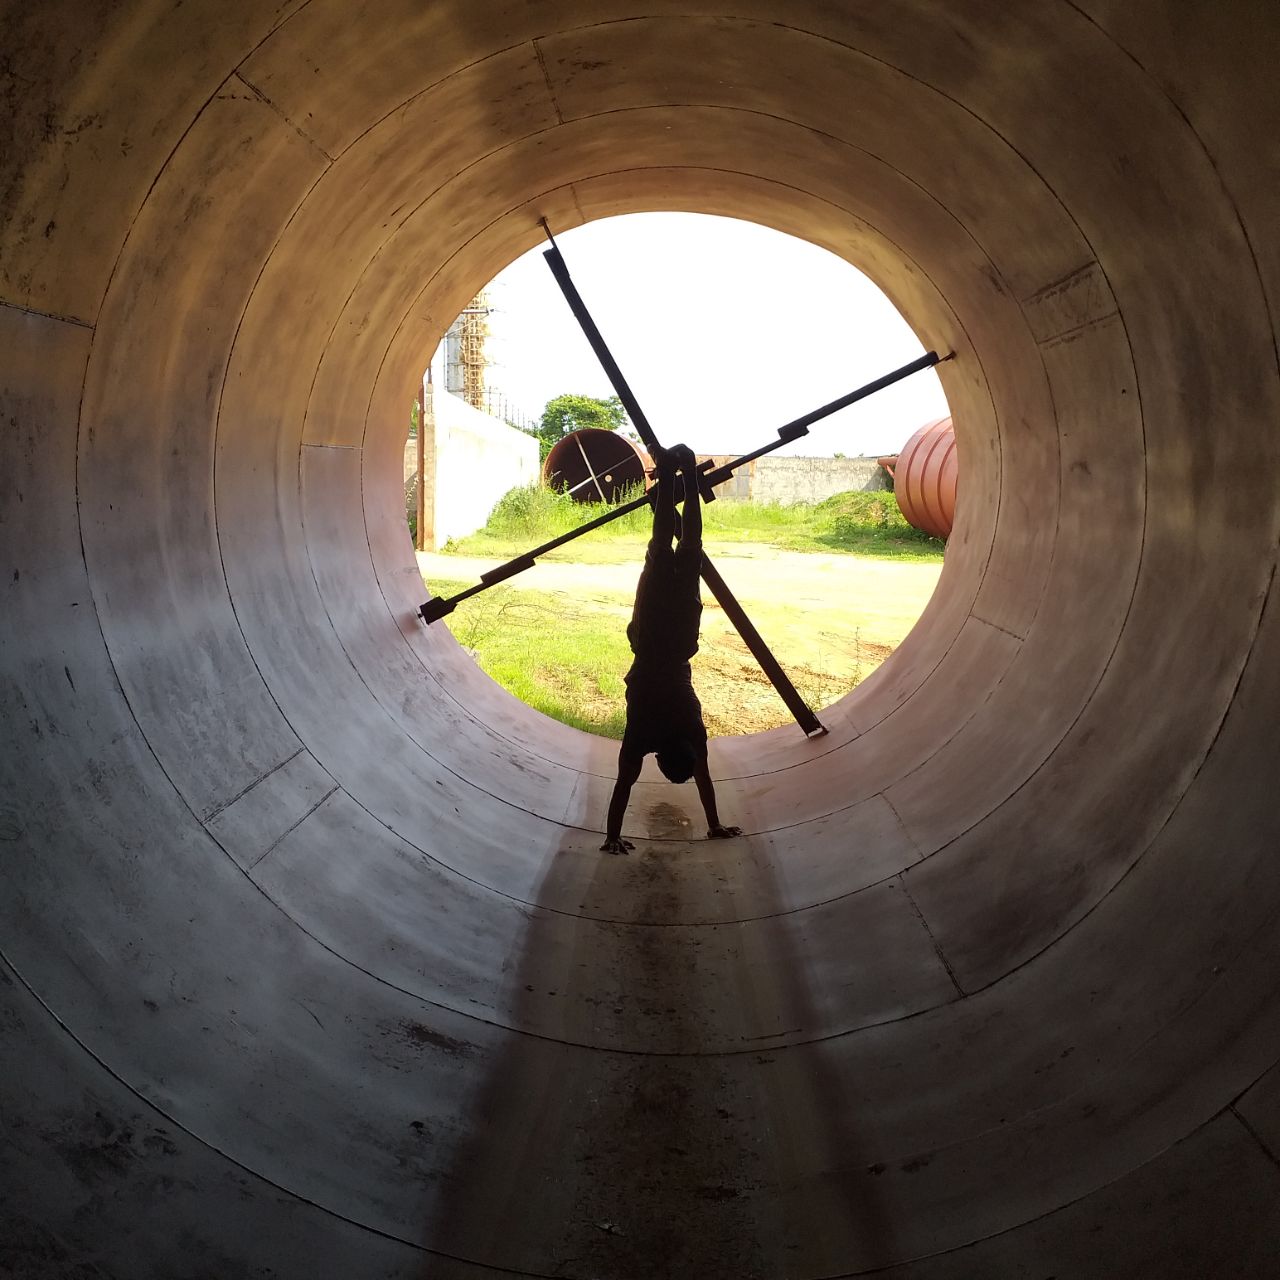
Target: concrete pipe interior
311	965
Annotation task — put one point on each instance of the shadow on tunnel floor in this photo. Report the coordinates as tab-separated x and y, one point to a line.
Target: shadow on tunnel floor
690	1152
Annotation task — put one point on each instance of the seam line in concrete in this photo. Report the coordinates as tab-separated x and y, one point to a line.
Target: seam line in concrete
995	626
1005	1232
884	795
1256	1136
569	803
1056	339
172	1119
271	106
1056	286
350	448
1164	90
155	182
946	964
1263	602
546	76
47	315
290	829
210	814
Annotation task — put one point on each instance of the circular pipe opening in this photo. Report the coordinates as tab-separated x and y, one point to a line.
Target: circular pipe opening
945	947
774	380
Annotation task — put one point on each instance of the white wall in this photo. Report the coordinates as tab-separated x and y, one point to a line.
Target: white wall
478	459
788	480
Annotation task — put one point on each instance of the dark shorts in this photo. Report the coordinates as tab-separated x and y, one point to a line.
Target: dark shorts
662	708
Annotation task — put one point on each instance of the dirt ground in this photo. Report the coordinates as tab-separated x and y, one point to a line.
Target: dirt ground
830	619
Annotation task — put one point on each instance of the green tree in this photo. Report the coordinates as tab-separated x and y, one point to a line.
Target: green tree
569	413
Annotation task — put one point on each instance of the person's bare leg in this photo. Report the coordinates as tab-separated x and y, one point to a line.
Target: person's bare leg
628	771
707	794
691	511
664	505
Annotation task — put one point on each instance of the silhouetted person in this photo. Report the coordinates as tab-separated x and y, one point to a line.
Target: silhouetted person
664	715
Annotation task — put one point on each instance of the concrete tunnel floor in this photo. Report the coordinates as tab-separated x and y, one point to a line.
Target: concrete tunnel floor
310	965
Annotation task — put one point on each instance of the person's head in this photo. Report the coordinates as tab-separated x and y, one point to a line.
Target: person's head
677	760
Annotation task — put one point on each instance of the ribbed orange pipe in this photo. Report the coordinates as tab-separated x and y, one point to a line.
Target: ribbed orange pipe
925	478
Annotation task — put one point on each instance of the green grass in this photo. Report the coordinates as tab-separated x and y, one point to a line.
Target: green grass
870	524
867	524
566	663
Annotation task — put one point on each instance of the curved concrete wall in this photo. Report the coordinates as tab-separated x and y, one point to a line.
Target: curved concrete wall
311	967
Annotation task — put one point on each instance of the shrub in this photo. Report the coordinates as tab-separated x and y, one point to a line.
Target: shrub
855	519
867	522
537	513
873	509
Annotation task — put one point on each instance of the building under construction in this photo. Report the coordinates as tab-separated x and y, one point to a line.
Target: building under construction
464	352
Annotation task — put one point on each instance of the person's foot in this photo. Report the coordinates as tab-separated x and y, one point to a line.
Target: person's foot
719	832
664	461
616	844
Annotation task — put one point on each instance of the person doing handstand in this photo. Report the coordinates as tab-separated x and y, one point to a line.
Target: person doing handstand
664	715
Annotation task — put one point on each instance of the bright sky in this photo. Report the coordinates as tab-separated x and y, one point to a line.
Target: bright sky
724	329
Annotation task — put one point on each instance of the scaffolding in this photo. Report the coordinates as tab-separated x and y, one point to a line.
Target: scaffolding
498	405
466	364
465	354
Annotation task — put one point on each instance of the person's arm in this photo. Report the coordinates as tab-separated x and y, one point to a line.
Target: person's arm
628	771
707	794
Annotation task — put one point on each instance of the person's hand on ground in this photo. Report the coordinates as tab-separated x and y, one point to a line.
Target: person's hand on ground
721	832
616	844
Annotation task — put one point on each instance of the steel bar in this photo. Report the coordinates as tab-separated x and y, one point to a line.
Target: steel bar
582	484
799	427
591	475
760	651
593	335
438	606
801	712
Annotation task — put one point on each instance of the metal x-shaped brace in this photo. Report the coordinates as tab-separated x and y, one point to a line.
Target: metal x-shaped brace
710	476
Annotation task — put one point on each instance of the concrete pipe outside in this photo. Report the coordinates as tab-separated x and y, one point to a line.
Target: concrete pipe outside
924	478
311	967
593	465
